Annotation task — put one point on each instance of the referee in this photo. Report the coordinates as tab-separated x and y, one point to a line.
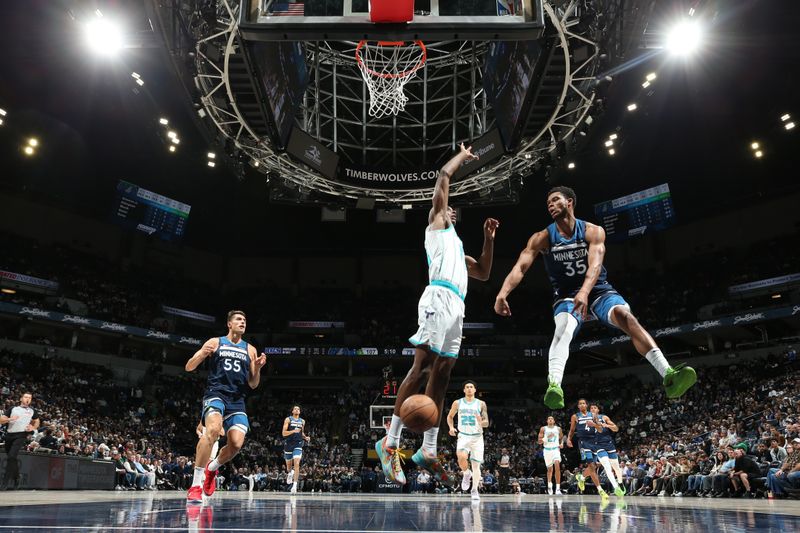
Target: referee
22	420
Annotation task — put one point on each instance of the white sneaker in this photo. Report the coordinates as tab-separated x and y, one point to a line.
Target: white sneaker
549	490
466	478
558	492
290	477
662	493
475	495
294	488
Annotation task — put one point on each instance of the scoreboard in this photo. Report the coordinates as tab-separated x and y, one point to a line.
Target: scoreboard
637	213
150	212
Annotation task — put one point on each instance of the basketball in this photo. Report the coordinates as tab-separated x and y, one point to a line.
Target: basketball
419	413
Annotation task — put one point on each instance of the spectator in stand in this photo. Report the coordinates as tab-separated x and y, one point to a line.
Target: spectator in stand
777	453
124	478
744	470
762	454
788	475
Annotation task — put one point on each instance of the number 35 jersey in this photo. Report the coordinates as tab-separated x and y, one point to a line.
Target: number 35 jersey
567	260
229	370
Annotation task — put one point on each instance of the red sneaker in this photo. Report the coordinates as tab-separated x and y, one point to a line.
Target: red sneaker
206	520
210	482
195	496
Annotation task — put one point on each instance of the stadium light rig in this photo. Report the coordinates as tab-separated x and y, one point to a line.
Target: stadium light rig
3	113
103	36
684	38
789	126
570	165
163	121
632	107
172	148
211	157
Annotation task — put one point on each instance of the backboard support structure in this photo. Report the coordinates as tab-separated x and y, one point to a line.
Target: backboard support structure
445	20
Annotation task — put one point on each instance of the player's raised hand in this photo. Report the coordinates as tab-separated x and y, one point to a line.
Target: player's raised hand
501	307
261	361
468	152
490	227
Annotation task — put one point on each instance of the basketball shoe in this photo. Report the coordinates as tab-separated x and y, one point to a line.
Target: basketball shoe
210	482
678	379
554	396
432	465
390	462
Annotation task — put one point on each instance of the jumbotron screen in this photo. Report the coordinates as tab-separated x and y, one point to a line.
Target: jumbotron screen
637	213
150	212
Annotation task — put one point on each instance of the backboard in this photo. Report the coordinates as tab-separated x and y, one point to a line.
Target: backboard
344	20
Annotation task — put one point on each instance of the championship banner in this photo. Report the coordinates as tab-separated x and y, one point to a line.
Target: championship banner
31	281
764	284
705	325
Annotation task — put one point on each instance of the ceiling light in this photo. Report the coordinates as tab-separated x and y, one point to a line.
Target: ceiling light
135	75
755	146
645	85
28	150
613	136
256	163
1	121
611	151
171	147
212	164
33	141
632	107
609	143
3	112
163	121
175	140
784	117
171	134
8	291
774	296
103	37
571	165
651	76
140	82
789	125
759	154
212	155
685	38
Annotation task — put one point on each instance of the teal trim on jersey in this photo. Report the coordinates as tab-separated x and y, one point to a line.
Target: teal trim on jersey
414	341
546	448
428	258
470	434
451	227
471	459
447	285
440	352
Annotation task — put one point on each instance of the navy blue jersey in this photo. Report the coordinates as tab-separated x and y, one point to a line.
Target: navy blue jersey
567	260
582	431
295	440
230	368
604	436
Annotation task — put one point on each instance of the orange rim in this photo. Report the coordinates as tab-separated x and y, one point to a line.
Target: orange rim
391	43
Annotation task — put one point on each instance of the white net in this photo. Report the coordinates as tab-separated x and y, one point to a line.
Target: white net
386	68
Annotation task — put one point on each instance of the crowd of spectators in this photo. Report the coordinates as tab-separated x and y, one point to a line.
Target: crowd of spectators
686	447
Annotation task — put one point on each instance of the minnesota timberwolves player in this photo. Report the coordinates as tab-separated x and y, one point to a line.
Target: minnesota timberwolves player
472	418
551	437
573	253
294	433
440	319
234	366
580	427
605	450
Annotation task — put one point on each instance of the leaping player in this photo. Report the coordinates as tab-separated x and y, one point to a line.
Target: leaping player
472	418
235	367
551	437
573	252
294	432
440	318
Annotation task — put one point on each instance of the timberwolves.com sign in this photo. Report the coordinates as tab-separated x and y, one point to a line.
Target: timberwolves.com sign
317	156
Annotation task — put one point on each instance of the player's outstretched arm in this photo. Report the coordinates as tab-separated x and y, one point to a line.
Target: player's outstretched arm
596	237
286	432
441	191
303	432
541	435
609	424
257	362
536	244
450	416
482	267
200	355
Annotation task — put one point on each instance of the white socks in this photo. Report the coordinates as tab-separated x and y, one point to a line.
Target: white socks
658	361
429	440
393	435
213	465
609	472
197	480
566	324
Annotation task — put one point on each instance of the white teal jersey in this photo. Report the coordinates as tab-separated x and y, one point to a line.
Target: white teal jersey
551	440
447	266
468	417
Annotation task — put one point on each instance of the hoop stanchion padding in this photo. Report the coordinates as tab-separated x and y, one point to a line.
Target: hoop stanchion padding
387	11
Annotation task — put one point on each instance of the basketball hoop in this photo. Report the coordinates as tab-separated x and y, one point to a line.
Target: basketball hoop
386	67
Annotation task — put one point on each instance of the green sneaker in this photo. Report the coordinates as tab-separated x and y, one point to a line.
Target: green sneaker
432	465
581	482
554	396
603	494
390	462
678	380
619	492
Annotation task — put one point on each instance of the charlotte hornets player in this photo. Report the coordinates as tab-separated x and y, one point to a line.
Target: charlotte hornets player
551	437
573	252
440	319
473	417
294	433
234	367
581	427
